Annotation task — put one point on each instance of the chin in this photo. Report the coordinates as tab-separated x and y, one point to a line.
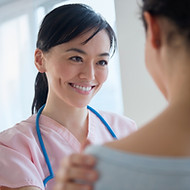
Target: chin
80	104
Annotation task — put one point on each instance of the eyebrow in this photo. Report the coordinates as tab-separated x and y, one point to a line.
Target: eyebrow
83	52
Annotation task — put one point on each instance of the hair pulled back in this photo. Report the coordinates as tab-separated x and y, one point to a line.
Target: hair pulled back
176	11
60	26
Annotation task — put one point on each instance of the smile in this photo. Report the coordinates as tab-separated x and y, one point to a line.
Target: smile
82	88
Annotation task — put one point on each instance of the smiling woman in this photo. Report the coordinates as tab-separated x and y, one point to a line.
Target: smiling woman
71	57
18	72
76	67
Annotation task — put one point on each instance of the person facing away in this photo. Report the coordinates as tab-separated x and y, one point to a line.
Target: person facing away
157	156
73	50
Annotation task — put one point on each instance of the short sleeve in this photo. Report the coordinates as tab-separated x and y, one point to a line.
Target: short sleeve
18	165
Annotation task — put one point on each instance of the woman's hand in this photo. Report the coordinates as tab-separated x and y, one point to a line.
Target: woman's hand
76	173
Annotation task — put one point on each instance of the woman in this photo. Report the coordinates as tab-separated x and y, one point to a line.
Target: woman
73	50
157	156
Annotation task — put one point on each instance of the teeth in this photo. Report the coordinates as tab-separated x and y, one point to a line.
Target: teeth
82	88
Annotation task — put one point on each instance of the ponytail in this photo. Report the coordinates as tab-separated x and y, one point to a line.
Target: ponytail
41	91
59	26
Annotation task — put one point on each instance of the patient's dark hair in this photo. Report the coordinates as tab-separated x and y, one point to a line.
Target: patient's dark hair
60	26
176	11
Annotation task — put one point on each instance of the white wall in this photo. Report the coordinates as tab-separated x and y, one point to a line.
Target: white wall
142	100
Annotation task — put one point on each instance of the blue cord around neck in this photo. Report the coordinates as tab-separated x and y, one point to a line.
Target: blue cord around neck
43	146
103	121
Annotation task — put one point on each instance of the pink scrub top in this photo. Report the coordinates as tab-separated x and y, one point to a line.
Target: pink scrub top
21	160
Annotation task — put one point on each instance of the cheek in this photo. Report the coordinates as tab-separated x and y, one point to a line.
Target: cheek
63	71
149	59
55	75
102	76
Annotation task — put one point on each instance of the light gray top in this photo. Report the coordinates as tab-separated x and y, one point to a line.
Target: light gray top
124	171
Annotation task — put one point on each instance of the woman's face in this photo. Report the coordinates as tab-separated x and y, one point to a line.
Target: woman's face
76	71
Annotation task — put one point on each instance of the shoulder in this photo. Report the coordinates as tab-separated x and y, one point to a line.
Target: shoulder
19	133
20	151
118	120
124	165
116	117
120	124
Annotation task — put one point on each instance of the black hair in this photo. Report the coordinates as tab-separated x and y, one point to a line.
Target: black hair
178	12
60	26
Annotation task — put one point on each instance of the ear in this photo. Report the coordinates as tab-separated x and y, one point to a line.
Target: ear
39	60
153	30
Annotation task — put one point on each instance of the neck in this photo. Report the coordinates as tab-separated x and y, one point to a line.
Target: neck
179	88
72	118
176	69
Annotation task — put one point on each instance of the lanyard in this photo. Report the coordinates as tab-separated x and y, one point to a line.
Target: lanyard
43	146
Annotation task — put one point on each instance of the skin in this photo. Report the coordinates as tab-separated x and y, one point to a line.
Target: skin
70	68
76	167
169	66
75	73
173	123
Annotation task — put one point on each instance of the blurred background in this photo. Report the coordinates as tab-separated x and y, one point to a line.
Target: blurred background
129	89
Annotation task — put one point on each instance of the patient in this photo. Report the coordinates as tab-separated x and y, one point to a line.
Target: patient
157	156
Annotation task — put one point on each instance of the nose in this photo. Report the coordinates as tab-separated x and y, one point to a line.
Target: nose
88	71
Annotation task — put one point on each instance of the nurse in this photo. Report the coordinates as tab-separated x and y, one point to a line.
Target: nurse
157	156
74	46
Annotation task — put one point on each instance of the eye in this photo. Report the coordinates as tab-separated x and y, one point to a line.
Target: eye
76	59
102	63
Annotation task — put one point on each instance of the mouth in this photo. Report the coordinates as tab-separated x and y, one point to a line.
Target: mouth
82	88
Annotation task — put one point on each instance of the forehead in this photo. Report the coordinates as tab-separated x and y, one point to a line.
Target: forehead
97	38
99	42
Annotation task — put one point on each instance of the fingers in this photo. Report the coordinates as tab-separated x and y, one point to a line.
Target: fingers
79	160
76	172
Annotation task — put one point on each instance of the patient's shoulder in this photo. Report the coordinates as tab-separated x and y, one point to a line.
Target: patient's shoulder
157	138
